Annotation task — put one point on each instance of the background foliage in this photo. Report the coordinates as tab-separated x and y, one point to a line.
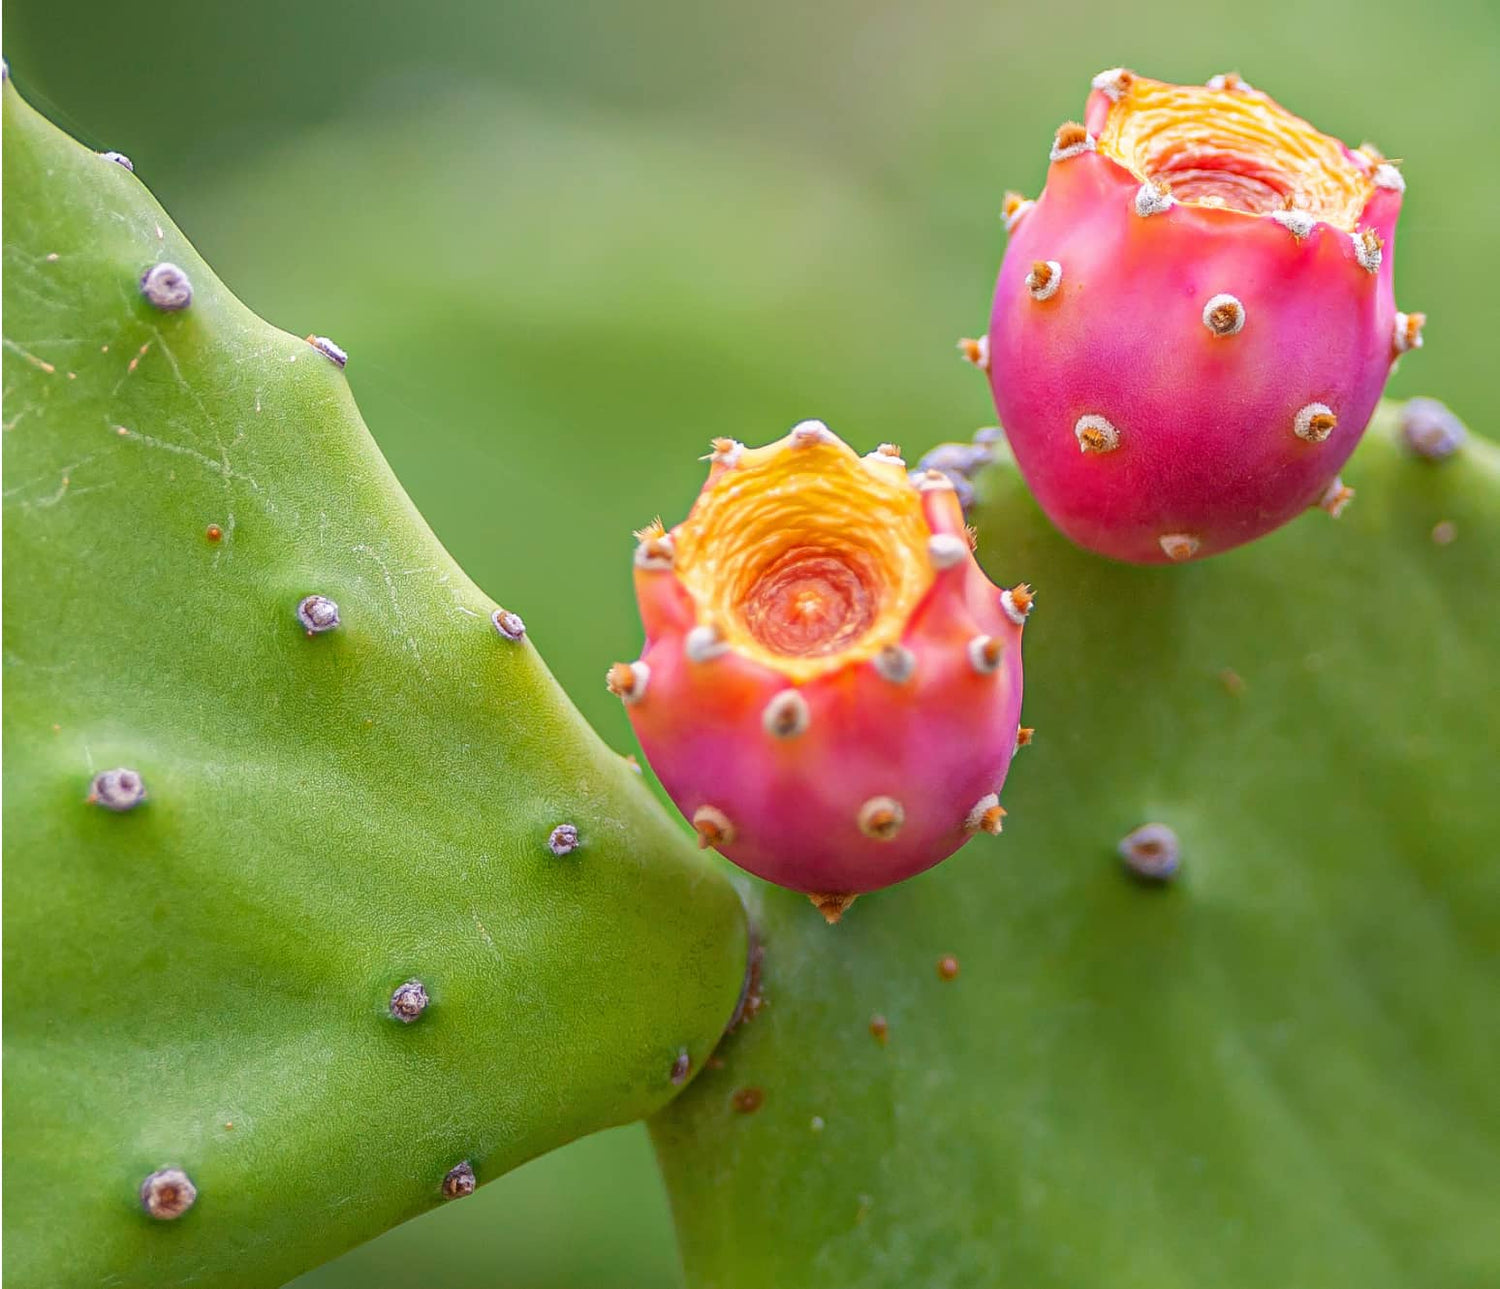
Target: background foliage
567	244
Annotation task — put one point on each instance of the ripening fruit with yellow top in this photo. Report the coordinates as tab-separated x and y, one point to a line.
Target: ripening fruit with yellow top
830	688
1194	321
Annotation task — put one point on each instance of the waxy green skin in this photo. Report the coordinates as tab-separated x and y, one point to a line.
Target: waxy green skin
203	981
1276	1070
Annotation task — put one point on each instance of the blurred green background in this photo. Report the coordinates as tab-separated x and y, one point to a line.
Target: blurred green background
567	244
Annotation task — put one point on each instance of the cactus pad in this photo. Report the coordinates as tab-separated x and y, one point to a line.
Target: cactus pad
1252	1045
322	903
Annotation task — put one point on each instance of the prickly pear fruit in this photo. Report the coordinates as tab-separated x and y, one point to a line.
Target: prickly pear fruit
831	687
1193	323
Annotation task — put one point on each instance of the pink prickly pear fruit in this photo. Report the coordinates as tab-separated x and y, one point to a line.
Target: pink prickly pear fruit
830	689
1194	321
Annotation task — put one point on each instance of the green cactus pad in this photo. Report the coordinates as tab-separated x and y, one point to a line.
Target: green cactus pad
1276	1069
202	981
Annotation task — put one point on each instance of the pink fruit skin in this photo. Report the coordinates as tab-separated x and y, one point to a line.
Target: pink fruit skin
1207	447
937	742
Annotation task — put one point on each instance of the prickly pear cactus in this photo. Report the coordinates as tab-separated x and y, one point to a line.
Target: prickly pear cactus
1219	1007
322	905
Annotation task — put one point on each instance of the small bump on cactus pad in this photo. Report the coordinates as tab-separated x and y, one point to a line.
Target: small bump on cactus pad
290	956
1194	320
831	688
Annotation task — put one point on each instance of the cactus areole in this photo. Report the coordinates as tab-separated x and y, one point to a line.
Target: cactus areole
831	687
1194	321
